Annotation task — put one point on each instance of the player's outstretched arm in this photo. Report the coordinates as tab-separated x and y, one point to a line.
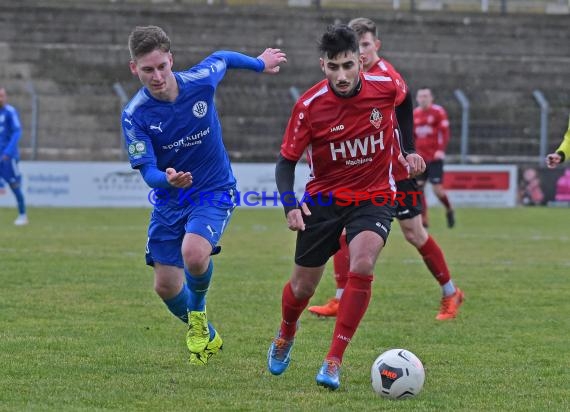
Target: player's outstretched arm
267	62
272	58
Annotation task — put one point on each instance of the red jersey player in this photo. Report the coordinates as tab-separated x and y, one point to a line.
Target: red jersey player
431	133
409	212
346	124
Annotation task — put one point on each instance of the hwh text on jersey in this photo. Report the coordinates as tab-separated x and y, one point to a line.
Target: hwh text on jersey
360	146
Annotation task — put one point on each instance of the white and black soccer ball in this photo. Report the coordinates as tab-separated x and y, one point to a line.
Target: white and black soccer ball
397	374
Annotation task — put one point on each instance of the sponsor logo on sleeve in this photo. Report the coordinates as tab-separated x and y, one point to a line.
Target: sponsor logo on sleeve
137	148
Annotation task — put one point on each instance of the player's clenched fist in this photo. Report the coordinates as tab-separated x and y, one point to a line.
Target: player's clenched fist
295	218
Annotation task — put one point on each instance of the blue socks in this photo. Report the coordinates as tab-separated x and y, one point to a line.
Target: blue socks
211	330
178	305
20	199
198	286
192	297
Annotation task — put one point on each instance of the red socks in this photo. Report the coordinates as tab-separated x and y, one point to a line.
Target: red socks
352	308
341	261
291	309
435	261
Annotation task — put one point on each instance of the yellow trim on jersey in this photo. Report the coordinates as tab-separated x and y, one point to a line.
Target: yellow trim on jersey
565	145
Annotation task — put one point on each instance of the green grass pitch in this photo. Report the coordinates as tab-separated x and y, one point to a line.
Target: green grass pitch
81	328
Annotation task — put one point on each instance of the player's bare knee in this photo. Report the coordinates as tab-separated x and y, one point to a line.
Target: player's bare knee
197	266
196	261
165	289
414	237
363	264
302	289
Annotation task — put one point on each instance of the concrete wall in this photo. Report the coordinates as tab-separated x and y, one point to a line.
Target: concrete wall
75	53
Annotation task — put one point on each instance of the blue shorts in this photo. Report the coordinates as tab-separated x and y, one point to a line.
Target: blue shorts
10	172
168	225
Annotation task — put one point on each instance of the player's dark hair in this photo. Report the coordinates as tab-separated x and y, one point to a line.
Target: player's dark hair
339	38
363	25
146	39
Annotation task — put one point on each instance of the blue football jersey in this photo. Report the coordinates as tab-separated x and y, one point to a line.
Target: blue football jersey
185	134
10	131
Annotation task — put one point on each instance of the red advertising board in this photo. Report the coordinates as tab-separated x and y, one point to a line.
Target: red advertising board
476	180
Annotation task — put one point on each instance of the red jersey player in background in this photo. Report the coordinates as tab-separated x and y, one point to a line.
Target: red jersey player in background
408	213
431	134
346	124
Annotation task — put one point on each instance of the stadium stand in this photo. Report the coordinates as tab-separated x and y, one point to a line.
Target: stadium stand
74	52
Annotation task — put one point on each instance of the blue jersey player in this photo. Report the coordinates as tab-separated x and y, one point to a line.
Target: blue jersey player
10	133
174	138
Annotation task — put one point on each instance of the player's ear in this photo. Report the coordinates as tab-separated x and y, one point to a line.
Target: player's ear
171	59
322	62
133	67
377	44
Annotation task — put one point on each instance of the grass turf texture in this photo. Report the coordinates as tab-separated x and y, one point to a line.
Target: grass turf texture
81	328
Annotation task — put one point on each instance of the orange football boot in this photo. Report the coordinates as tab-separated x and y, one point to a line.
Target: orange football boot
450	305
329	309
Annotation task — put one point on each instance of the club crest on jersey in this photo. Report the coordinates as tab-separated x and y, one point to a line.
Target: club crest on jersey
200	109
376	118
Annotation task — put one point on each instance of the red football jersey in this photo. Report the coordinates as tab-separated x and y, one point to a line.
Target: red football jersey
384	67
349	141
431	131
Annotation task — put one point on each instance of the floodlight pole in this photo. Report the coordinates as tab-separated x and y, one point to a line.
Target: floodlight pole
34	121
294	92
464	102
544	108
120	92
503	7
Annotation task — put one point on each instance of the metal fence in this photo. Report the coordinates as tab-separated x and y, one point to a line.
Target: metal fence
466	142
492	120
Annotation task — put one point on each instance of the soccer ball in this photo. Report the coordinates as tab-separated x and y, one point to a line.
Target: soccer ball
397	374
